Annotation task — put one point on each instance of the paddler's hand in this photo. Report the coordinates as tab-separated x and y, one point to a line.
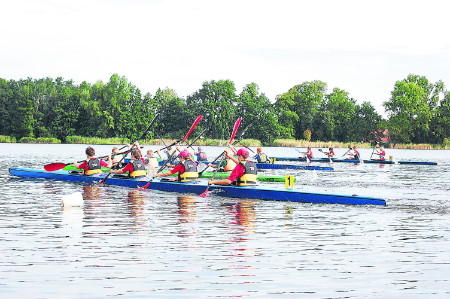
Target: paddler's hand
228	153
210	182
155	175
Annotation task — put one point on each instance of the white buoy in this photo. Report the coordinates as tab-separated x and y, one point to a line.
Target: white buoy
72	200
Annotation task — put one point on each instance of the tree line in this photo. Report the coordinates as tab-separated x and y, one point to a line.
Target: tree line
418	111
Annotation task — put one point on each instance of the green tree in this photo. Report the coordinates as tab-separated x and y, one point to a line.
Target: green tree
174	119
410	109
298	108
258	112
217	102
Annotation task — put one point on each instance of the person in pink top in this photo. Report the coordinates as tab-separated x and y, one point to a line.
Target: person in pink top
381	153
245	172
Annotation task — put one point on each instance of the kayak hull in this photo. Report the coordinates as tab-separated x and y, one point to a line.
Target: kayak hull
252	192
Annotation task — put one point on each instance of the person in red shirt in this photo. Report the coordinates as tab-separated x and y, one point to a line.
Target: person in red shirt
245	172
186	169
92	165
136	167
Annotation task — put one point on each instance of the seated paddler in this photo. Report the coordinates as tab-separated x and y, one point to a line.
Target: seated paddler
186	169
136	167
92	165
244	174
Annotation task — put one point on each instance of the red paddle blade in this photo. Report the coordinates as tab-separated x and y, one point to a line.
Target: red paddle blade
192	127
144	187
54	166
204	193
236	126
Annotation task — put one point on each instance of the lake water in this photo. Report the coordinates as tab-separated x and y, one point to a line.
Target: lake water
131	244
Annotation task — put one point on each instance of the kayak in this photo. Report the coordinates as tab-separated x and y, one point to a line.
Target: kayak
265	166
251	192
219	175
279	166
326	160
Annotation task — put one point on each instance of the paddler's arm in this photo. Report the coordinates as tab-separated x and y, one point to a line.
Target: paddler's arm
229	154
109	161
220	182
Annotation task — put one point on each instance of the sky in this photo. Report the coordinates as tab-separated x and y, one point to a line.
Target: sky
362	47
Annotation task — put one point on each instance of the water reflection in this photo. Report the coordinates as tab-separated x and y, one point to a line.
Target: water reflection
187	208
136	203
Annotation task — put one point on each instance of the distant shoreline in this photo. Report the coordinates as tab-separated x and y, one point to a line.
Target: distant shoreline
218	142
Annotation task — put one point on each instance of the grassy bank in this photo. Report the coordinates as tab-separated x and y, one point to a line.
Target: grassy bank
7	139
219	142
39	140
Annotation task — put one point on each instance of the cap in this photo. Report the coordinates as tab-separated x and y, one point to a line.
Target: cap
184	153
242	152
199	148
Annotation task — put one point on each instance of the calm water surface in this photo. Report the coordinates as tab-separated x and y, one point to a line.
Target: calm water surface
132	243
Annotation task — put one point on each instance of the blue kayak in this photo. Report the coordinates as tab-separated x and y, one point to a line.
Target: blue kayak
326	160
252	192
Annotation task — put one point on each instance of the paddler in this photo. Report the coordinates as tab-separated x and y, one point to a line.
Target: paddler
152	162
354	155
260	156
380	153
92	165
244	174
136	167
330	153
228	164
308	153
115	158
186	169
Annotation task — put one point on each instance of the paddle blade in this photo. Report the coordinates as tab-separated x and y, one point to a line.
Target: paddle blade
236	126
54	166
204	193
192	127
144	187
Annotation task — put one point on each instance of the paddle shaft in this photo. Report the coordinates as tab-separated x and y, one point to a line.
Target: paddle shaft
173	153
142	136
236	126
145	132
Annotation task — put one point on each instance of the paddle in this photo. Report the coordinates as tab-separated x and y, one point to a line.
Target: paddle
173	153
329	158
236	126
373	150
349	149
221	154
58	166
306	156
142	136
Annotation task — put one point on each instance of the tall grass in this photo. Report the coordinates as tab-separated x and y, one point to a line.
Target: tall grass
96	140
39	140
318	144
7	139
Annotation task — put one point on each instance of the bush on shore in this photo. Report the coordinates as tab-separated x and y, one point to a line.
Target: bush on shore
7	139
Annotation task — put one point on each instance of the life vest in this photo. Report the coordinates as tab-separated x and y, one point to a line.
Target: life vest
152	162
382	155
138	169
190	172
356	156
230	165
94	166
250	174
262	158
309	154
